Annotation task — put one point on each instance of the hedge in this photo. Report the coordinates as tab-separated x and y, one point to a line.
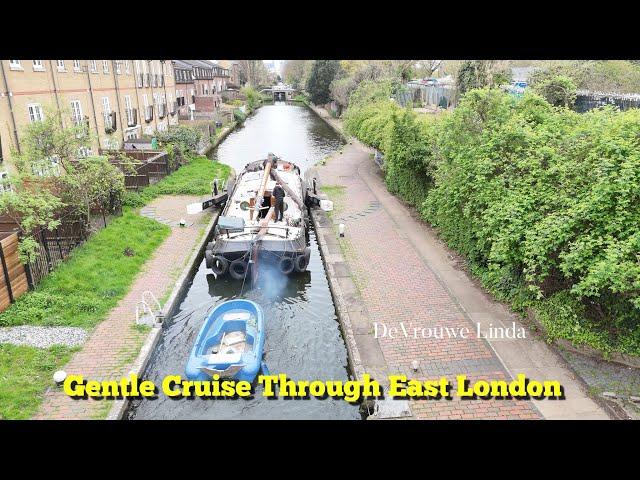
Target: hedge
543	202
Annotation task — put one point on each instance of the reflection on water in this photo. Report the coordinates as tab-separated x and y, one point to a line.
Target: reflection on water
293	132
302	333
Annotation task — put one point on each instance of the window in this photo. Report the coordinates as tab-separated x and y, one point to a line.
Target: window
35	112
76	112
106	110
15	65
38	66
84	152
128	109
127	67
105	66
47	167
76	66
94	66
118	67
145	100
60	64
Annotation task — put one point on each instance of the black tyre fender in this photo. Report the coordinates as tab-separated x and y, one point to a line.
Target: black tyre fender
219	265
286	265
302	260
238	269
208	258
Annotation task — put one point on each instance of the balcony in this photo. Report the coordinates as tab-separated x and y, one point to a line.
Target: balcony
132	117
162	110
110	124
148	114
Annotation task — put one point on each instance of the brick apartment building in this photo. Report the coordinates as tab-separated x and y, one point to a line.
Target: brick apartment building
116	99
198	86
233	66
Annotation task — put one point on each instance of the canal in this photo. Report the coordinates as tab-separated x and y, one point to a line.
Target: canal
303	337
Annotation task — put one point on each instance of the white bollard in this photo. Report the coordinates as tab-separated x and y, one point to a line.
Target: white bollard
341	229
59	376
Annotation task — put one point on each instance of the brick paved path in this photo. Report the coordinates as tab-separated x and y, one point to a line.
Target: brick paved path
114	344
398	287
428	287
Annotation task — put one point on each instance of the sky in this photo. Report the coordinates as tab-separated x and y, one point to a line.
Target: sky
278	65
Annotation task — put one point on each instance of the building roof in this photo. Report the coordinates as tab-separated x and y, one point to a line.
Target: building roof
182	64
199	63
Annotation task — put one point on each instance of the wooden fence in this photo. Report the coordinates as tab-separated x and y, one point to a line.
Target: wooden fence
146	166
13	276
54	246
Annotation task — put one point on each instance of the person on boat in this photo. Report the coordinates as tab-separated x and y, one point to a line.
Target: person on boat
278	193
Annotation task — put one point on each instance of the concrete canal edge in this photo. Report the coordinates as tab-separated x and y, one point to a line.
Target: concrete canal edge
325	235
168	309
223	134
327	120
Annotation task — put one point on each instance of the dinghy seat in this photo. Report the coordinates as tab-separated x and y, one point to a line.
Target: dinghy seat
229	358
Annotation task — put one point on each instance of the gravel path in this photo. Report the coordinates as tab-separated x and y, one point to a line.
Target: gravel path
43	337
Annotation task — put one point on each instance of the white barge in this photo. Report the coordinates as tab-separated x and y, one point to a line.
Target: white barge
247	234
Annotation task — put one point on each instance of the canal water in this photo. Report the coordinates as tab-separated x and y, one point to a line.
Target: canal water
303	338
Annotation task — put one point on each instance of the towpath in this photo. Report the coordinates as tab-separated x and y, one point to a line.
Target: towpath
394	271
113	346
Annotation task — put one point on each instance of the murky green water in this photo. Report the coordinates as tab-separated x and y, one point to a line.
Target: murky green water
302	333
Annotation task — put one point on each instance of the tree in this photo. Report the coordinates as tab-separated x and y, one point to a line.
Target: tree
93	184
253	72
482	73
47	142
343	86
31	206
322	74
51	177
293	71
558	90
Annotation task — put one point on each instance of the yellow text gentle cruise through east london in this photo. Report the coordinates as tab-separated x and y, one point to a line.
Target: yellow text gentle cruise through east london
399	386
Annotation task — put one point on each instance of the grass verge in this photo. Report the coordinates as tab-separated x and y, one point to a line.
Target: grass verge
25	373
193	178
82	291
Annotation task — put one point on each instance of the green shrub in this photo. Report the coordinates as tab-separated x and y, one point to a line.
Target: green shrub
558	90
239	116
184	137
543	202
254	99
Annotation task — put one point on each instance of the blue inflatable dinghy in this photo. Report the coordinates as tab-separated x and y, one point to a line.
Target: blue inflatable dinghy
230	343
